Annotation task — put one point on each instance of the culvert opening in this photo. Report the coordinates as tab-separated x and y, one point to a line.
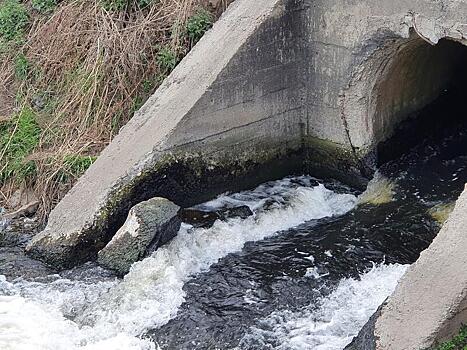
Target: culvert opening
419	94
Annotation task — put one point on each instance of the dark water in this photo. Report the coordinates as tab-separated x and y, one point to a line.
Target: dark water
309	287
272	272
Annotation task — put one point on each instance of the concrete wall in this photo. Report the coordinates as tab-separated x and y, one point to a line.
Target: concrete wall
232	111
372	63
277	86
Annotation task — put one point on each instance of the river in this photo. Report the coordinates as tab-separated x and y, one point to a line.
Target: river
305	271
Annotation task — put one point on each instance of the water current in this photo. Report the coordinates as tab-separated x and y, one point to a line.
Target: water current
305	271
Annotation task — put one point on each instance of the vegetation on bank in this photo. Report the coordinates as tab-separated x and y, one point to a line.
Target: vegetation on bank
74	72
458	342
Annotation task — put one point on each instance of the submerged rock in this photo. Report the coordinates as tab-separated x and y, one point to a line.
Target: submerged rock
149	225
201	218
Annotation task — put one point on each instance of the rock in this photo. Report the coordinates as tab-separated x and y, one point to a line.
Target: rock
243	212
201	218
198	218
21	198
25	210
149	225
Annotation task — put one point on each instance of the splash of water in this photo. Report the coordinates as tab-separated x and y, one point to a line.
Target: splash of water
114	315
334	322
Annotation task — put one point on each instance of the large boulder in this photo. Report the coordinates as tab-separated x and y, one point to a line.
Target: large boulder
149	225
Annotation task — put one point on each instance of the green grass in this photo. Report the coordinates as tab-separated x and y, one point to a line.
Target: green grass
458	342
13	20
18	139
77	164
74	166
121	5
198	24
44	6
21	67
167	59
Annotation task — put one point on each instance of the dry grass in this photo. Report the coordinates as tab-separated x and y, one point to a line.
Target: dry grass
83	71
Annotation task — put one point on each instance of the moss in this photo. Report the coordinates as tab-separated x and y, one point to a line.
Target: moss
458	342
18	139
326	159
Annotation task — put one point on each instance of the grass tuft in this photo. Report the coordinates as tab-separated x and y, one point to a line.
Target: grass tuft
44	6
18	140
21	67
13	20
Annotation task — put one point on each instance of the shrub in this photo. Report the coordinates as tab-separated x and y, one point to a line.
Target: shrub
44	6
167	59
114	5
13	20
198	24
120	5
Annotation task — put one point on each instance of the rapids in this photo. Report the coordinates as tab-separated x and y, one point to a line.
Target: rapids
305	271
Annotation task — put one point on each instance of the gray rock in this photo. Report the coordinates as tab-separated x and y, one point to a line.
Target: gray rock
149	225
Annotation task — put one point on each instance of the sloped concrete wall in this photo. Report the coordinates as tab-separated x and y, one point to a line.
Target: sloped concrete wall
430	302
234	105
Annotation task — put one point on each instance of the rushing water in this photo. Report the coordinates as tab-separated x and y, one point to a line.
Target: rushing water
305	271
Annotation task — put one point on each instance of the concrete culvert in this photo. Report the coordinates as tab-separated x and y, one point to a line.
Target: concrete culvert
417	83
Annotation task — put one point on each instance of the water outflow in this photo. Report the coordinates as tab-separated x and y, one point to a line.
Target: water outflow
305	271
94	311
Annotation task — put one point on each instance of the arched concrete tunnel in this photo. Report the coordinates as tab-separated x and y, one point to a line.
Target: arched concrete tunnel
418	92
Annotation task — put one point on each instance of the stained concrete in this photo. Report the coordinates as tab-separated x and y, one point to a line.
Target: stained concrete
276	86
232	109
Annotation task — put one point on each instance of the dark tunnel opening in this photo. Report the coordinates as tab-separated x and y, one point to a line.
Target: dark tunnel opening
421	95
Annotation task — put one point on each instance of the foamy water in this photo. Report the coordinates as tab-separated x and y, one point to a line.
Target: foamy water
113	314
334	321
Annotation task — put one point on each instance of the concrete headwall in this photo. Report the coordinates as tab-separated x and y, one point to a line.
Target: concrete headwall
275	87
372	63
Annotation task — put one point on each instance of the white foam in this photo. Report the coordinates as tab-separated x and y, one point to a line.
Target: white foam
117	314
337	319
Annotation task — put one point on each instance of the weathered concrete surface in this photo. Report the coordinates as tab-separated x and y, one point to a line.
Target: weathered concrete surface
149	225
231	105
275	86
430	302
368	69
